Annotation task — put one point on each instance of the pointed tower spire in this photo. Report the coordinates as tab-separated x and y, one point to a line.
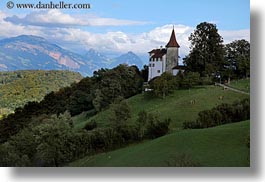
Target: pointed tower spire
172	41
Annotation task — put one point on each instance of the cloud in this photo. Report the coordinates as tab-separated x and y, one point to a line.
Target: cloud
56	18
76	39
8	29
231	35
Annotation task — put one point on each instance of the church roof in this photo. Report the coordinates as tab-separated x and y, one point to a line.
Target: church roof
158	53
172	41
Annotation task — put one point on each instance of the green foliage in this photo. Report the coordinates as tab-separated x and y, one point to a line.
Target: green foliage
144	73
190	79
52	138
237	59
121	113
91	125
221	146
155	127
207	54
176	106
222	114
19	87
163	85
141	123
122	81
53	142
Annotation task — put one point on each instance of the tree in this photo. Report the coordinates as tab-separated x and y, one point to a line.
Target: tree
52	137
206	55
163	85
156	127
190	79
79	101
237	58
122	113
144	73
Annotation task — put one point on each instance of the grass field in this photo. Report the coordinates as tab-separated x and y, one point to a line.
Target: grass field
176	106
219	146
243	84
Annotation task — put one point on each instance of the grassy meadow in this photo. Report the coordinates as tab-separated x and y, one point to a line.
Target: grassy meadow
176	106
219	146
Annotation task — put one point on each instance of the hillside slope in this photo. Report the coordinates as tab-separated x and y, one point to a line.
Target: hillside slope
219	146
19	87
177	106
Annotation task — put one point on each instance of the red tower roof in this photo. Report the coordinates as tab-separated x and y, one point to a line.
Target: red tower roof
172	42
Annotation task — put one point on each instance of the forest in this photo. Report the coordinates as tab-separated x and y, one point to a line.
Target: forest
19	87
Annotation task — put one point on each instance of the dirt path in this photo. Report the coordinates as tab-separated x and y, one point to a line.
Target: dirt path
230	88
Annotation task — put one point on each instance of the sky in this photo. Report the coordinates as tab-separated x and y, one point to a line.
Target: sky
119	26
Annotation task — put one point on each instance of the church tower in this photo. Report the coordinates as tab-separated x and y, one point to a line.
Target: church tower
165	59
172	54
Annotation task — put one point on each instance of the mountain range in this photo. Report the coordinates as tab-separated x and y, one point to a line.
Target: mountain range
28	52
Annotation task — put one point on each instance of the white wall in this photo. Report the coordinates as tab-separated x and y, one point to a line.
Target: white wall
156	68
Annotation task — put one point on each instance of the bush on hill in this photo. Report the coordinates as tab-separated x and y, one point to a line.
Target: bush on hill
222	114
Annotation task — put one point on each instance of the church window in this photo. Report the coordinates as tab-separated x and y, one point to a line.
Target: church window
158	71
153	65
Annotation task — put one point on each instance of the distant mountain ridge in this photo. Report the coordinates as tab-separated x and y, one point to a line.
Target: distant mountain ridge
27	52
129	58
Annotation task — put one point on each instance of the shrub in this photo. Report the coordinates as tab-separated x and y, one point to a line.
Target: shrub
91	125
156	128
222	114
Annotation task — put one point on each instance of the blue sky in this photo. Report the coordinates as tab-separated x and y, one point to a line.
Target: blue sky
126	25
228	14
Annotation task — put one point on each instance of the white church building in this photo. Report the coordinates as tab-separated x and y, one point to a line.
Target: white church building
165	59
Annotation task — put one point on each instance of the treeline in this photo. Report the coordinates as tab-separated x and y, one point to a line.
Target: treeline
222	114
19	87
90	94
54	142
167	83
209	56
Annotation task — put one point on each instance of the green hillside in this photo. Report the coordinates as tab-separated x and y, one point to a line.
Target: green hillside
177	106
19	87
219	146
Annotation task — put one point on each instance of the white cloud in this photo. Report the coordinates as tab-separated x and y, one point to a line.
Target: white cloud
8	29
75	38
56	18
231	35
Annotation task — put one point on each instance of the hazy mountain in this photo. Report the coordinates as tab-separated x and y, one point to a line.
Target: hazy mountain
97	58
27	52
32	52
129	58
